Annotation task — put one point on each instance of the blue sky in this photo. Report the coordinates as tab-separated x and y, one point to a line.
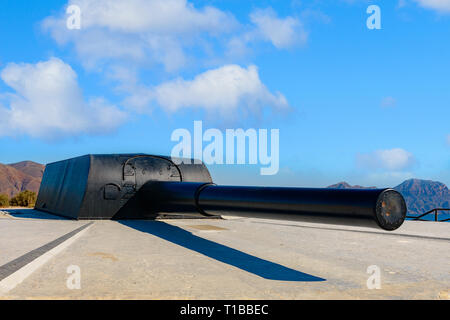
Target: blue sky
370	107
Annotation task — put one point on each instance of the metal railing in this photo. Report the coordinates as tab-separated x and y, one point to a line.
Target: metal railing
434	211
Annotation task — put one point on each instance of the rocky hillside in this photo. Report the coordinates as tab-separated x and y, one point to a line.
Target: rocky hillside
17	177
31	168
424	195
420	195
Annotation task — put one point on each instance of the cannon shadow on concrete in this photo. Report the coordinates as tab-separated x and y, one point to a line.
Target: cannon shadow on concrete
257	266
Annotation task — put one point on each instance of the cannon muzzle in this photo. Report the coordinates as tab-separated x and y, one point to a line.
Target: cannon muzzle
143	186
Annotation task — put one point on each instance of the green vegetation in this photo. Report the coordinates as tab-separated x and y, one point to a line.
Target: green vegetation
4	201
24	199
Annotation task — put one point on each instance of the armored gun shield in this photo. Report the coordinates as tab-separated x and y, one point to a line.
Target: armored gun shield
106	186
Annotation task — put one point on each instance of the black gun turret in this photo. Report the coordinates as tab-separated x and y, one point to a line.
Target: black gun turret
139	186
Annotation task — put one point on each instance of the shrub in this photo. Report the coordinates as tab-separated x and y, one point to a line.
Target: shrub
24	199
4	201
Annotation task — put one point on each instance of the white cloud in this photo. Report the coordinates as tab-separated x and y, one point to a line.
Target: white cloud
283	33
393	159
170	33
126	40
142	31
223	89
159	16
388	102
442	6
49	103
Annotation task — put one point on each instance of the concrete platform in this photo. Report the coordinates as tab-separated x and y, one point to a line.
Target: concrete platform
235	258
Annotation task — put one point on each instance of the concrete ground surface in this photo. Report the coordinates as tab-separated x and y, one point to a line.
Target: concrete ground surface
237	258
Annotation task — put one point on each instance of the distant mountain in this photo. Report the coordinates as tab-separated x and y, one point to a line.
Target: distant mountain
31	168
345	185
424	195
420	195
21	176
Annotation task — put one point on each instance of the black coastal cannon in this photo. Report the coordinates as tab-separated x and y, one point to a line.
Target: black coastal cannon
139	186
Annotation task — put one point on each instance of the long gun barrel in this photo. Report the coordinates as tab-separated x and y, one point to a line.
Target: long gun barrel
384	208
139	186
